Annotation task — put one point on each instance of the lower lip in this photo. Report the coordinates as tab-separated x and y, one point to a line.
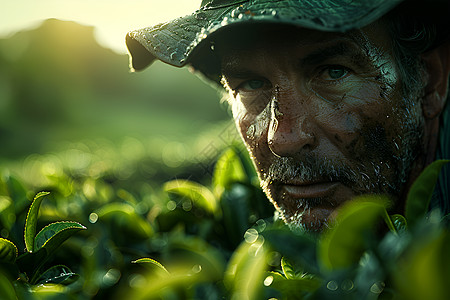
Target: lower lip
315	190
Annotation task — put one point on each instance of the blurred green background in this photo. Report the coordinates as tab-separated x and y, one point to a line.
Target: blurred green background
66	100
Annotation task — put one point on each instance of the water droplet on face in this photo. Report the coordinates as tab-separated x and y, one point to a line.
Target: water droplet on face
274	125
251	132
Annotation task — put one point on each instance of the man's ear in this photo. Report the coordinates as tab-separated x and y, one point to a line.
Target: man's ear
437	64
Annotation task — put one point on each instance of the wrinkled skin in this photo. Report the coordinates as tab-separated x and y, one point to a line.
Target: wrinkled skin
323	117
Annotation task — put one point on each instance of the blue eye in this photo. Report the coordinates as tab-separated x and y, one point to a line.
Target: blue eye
334	72
253	84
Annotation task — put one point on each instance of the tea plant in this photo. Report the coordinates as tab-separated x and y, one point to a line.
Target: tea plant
40	247
218	240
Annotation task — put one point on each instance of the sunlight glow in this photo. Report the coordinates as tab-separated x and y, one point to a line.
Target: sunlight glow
112	19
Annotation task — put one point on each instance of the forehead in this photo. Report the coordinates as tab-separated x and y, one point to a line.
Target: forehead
244	43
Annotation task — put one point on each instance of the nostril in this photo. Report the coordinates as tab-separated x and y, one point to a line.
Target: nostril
289	140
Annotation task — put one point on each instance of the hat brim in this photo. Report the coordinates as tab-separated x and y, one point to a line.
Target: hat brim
178	42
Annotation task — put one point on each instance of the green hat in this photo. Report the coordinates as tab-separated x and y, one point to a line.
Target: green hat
184	40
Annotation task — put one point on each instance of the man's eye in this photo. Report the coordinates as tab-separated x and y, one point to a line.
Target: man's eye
334	73
251	85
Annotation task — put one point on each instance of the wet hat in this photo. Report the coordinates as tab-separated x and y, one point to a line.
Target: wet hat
187	40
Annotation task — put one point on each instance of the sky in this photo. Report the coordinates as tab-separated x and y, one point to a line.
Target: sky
112	19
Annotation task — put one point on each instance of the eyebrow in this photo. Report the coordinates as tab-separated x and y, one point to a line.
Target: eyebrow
237	73
339	49
236	69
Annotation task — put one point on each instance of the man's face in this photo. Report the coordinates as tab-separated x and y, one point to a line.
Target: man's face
323	117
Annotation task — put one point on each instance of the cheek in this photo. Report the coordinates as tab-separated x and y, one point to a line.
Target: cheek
358	122
253	128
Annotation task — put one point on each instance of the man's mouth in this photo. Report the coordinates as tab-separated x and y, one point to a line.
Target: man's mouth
308	203
310	189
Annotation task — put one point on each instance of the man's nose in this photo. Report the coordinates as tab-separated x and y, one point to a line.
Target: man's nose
291	130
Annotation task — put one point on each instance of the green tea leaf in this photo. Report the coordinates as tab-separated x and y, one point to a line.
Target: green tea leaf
343	244
197	193
421	191
151	263
155	287
17	192
287	268
195	249
246	271
8	251
59	274
123	217
49	291
228	170
7	212
235	211
30	224
7	290
284	241
292	288
424	270
53	235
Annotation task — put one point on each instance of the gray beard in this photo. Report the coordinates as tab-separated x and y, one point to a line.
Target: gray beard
368	177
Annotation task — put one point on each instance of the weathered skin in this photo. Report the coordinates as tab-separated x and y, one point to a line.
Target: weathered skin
324	118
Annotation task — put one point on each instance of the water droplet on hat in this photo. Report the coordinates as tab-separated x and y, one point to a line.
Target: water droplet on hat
173	56
200	16
224	21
